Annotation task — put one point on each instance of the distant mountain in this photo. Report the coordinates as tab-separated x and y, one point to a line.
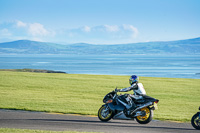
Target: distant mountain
180	47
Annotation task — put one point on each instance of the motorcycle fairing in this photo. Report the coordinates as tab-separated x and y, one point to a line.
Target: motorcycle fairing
118	107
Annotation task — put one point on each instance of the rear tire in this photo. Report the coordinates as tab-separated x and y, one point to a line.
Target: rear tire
195	121
104	113
147	117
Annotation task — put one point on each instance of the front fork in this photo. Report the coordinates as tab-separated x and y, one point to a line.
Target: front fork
105	111
106	108
198	119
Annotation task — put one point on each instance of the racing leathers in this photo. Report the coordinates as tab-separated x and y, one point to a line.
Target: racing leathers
138	90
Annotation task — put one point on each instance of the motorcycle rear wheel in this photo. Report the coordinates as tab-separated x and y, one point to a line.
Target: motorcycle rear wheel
105	114
195	121
147	117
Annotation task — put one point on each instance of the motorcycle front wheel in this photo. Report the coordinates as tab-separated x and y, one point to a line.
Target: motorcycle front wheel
195	121
147	117
104	113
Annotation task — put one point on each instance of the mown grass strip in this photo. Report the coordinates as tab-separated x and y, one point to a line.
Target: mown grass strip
83	94
13	130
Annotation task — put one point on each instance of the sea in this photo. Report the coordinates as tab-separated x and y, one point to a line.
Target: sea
171	66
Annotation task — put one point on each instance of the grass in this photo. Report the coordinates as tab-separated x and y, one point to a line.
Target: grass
83	94
12	130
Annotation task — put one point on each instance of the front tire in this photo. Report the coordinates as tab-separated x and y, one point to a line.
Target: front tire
147	117
195	121
104	113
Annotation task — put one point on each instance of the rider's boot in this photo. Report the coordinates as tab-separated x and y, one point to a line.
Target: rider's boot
131	108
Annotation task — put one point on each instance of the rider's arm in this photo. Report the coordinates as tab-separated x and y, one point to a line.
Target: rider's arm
133	87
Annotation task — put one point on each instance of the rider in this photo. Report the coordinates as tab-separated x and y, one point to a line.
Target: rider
137	88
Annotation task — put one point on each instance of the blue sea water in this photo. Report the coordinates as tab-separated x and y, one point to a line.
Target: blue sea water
182	66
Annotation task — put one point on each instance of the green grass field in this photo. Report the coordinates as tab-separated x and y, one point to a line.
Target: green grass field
83	94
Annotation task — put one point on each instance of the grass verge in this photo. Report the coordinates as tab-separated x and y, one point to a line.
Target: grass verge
12	130
83	94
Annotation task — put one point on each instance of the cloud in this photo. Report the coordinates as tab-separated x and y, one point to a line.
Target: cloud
19	30
111	28
37	29
86	29
131	28
5	32
99	34
34	29
21	24
103	33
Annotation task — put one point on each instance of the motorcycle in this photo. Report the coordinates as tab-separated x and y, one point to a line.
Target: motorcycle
195	121
139	107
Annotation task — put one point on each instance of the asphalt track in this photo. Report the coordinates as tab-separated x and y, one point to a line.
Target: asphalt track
63	122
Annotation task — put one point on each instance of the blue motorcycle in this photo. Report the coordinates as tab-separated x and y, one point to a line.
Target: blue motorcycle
116	107
195	121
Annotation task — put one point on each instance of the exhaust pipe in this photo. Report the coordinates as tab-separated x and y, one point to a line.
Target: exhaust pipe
145	105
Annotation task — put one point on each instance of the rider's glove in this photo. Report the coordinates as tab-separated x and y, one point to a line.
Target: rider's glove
117	90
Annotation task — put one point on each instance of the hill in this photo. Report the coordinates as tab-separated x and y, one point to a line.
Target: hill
180	47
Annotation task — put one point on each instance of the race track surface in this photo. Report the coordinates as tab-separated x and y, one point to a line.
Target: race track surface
59	122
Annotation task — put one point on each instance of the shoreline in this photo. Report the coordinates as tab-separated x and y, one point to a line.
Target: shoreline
33	70
62	72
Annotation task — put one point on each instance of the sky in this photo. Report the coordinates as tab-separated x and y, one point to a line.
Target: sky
99	21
